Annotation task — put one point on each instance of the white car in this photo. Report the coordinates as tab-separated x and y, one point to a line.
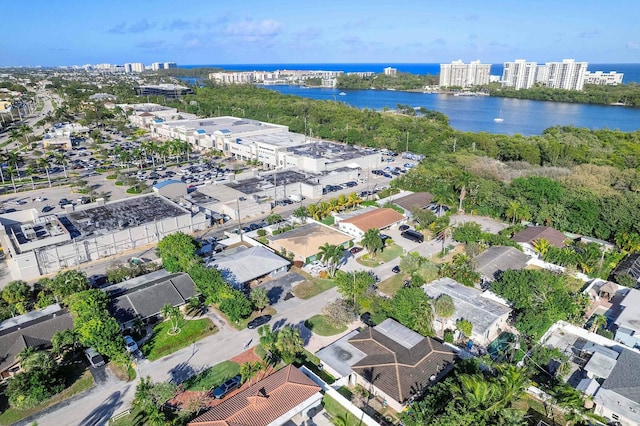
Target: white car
131	344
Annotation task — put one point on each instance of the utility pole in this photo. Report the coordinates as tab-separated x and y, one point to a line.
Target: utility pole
239	223
407	149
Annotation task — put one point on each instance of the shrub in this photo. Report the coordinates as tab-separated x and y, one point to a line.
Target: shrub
262	232
448	336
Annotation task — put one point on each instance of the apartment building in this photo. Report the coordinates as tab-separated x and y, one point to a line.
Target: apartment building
457	73
602	78
568	74
519	74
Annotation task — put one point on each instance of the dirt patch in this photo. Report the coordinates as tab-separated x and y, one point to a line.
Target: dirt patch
247	356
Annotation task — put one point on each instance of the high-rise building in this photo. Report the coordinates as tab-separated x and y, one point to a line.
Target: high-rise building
602	78
519	74
128	68
170	65
157	66
133	67
567	74
457	73
391	71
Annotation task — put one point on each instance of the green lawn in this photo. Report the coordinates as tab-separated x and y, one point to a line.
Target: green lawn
212	377
329	220
389	253
311	361
336	410
161	343
312	286
82	383
321	326
391	285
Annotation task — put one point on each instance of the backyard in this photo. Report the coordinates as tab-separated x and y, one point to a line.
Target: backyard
161	343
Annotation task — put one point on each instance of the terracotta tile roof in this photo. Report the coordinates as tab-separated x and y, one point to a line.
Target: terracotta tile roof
262	403
146	114
378	218
398	370
534	233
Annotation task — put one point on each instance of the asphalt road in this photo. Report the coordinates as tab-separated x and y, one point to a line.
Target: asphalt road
98	405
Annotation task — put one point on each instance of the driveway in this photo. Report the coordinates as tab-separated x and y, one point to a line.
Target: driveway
279	289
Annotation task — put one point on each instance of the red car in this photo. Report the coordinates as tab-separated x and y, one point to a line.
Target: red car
354	250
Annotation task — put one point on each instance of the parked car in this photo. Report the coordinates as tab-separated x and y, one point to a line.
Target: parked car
226	387
396	269
131	344
403	227
47	209
258	321
354	250
95	359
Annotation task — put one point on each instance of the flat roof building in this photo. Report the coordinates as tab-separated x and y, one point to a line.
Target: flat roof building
305	241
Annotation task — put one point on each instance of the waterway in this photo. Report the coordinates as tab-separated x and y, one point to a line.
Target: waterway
477	113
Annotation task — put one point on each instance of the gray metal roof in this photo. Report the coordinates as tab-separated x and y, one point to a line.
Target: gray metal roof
620	392
242	264
341	355
497	259
399	333
630	315
470	303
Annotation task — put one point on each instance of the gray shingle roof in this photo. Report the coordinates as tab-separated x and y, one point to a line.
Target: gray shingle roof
470	303
36	333
148	298
497	259
624	379
534	233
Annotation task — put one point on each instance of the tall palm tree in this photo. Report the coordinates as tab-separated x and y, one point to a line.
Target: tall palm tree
353	200
301	213
30	171
44	163
513	210
597	322
3	158
372	241
12	171
61	159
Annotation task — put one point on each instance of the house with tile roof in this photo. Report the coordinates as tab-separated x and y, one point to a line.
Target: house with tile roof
618	398
241	265
31	330
486	312
381	218
272	401
390	361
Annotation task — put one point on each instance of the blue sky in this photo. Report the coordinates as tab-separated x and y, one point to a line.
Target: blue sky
68	32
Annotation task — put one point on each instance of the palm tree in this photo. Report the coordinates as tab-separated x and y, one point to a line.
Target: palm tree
12	170
597	322
331	255
444	308
372	241
353	200
30	171
301	214
513	210
44	163
3	158
343	420
474	390
441	199
541	246
288	344
61	159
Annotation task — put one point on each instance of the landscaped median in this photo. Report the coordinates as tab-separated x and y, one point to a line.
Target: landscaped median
162	342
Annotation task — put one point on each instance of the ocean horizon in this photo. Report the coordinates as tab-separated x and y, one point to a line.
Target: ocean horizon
631	71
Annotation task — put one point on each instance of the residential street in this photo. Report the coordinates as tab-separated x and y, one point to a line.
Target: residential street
97	406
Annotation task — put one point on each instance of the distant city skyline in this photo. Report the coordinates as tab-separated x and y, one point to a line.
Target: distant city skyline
70	32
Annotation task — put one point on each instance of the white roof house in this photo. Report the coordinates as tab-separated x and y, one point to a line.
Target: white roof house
481	309
242	265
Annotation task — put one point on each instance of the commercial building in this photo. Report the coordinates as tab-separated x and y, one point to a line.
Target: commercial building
170	91
37	245
602	78
457	73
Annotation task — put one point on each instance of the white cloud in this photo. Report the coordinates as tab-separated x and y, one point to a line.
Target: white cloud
633	45
252	30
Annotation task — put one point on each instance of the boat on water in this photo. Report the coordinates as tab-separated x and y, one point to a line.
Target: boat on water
342	94
499	119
